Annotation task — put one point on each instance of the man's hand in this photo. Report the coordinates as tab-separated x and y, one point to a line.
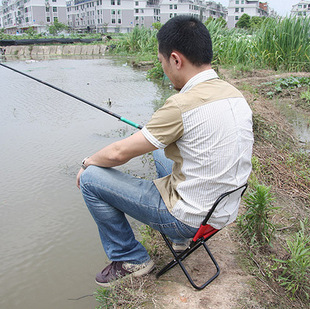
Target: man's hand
118	153
78	176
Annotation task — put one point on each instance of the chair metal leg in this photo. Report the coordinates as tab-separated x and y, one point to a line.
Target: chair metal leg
178	258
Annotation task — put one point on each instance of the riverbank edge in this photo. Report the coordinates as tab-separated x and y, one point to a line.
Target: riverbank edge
36	51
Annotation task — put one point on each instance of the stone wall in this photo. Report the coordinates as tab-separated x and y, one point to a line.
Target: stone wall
37	51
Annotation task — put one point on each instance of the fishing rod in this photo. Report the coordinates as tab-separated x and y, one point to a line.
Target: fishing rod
76	97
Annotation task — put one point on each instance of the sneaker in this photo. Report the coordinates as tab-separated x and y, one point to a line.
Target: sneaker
179	247
120	269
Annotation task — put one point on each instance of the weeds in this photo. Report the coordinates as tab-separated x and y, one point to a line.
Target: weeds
306	95
128	292
290	83
295	276
255	223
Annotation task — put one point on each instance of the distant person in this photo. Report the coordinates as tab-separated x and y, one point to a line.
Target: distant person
206	133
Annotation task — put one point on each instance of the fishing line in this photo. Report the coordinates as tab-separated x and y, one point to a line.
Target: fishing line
78	98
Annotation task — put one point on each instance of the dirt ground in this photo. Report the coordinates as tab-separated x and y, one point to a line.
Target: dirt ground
224	292
235	287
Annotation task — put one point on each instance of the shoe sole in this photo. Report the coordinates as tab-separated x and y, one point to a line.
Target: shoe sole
142	272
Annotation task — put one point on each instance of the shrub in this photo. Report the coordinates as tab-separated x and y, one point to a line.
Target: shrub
295	277
255	222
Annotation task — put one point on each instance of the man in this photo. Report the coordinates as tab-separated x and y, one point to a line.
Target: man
206	131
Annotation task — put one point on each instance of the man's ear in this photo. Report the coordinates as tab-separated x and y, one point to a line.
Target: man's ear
176	59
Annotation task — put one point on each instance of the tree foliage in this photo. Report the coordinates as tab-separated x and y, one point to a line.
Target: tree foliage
244	21
56	27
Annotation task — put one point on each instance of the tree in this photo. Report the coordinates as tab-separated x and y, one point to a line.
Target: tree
30	32
244	21
256	22
56	27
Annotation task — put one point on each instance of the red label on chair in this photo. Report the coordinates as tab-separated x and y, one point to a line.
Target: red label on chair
204	231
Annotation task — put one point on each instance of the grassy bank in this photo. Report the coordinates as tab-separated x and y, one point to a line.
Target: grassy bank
277	44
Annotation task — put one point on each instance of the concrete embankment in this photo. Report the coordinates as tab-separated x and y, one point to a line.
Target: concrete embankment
39	51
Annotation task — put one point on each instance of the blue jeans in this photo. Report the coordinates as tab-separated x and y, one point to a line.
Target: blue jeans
110	194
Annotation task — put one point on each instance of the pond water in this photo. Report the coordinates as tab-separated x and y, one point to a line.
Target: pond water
300	122
50	248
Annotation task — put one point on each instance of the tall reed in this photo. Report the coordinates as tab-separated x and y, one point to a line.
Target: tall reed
280	44
139	40
284	44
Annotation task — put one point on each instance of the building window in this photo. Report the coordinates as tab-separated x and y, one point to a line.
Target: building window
55	19
113	20
27	19
136	3
54	0
170	6
236	17
118	2
47	10
48	19
236	10
242	10
54	9
112	2
119	21
175	7
113	12
136	10
237	1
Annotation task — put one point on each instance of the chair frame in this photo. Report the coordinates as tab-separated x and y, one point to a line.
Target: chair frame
198	241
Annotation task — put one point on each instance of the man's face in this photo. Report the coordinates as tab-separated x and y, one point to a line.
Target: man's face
170	70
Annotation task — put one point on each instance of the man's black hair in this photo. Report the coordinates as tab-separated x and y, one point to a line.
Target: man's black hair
187	35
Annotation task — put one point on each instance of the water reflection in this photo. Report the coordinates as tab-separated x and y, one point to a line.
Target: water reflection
50	249
300	122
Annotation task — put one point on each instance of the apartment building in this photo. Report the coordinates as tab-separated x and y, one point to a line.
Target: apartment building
237	8
101	15
1	14
123	15
301	9
198	8
19	15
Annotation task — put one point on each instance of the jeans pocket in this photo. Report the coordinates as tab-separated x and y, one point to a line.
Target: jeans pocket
169	229
185	230
175	230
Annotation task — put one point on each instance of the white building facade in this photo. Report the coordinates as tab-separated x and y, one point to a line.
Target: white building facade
237	8
122	15
19	15
101	15
301	9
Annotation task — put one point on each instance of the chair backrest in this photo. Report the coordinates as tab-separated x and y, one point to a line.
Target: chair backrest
236	192
205	230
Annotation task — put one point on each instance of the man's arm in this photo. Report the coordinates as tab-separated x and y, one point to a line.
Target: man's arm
119	152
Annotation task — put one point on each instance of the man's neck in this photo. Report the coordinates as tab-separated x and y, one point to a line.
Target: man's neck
196	70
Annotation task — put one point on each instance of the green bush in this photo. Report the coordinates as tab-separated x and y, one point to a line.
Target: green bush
295	276
255	223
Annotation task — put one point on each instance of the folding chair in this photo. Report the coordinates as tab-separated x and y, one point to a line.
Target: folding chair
204	233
